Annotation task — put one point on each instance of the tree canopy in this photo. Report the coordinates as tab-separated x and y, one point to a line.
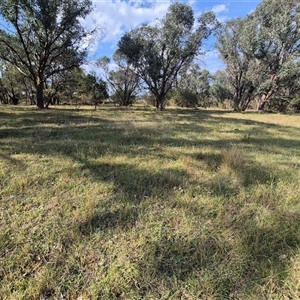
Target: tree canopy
232	48
124	83
43	37
41	42
157	53
262	54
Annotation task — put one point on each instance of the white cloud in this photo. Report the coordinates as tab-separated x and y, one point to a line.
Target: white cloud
121	16
219	8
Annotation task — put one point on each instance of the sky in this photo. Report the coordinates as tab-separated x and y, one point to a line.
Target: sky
118	17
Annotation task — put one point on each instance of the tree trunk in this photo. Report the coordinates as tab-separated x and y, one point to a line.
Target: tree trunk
159	102
261	103
236	100
245	104
249	94
40	94
236	105
266	96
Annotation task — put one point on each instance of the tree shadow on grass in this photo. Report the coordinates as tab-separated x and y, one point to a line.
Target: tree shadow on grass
231	170
183	266
135	184
72	125
103	220
248	171
13	161
256	264
269	251
131	186
179	257
174	259
257	132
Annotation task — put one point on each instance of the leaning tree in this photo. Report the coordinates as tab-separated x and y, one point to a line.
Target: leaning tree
158	52
43	37
273	30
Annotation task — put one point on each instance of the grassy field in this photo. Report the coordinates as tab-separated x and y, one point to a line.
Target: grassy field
134	204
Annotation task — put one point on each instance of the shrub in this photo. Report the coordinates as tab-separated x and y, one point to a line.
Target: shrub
295	104
184	98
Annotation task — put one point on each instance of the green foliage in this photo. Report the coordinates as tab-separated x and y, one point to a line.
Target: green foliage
11	84
278	104
221	90
261	53
124	83
45	38
295	104
232	46
184	98
97	87
76	87
157	53
193	85
221	93
276	39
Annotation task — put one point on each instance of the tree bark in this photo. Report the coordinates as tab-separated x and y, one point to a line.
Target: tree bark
40	94
261	103
159	102
246	104
248	99
266	96
236	106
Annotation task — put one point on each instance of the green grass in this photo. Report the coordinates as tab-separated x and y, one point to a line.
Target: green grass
134	204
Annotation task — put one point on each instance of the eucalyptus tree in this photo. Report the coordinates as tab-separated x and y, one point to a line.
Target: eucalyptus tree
124	83
97	87
43	37
4	98
158	52
192	87
235	50
221	90
12	82
75	87
274	33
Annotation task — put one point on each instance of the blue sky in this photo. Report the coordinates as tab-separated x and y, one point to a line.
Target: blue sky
118	17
